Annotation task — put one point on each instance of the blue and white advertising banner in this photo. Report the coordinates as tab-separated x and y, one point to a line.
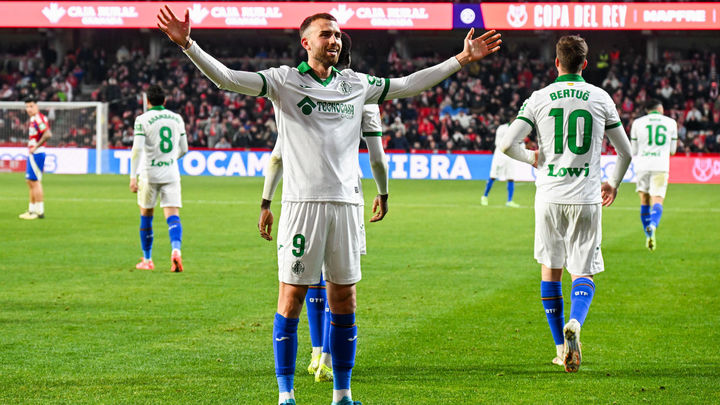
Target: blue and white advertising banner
428	166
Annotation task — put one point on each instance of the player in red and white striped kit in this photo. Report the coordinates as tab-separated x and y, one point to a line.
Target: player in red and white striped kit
39	131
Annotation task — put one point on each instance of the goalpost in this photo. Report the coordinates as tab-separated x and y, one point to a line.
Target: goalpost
82	124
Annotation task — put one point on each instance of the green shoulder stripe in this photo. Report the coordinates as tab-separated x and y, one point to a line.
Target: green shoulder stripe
263	92
366	134
615	125
385	91
527	120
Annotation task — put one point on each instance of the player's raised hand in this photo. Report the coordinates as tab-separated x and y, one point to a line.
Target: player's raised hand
265	223
379	207
178	31
480	47
608	193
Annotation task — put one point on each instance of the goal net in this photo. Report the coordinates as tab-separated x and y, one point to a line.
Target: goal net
73	124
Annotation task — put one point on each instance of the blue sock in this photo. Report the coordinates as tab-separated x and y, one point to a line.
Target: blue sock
489	186
511	189
326	329
175	231
656	213
343	342
146	236
581	295
315	300
285	348
645	216
551	295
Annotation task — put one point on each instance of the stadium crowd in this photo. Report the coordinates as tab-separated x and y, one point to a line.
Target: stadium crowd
459	114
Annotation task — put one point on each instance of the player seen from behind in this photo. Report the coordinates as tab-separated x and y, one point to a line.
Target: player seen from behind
570	117
159	143
653	139
39	132
501	168
319	117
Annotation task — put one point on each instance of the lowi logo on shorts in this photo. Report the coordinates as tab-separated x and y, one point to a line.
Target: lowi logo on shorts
517	16
705	169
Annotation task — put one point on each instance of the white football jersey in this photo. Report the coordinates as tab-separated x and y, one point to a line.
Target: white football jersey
319	125
654	134
164	133
570	117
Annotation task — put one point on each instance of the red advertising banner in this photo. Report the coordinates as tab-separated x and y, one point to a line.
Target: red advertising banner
704	170
601	16
137	14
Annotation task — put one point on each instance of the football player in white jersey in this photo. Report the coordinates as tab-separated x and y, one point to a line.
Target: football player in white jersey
501	168
159	143
653	139
570	117
318	111
39	133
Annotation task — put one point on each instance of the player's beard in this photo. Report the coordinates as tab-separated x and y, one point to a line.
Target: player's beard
327	59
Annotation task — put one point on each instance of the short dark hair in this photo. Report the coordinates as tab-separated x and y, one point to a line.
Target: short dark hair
155	95
309	20
344	57
30	99
572	52
652	104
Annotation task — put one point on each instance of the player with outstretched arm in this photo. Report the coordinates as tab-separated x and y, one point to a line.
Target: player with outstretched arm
319	117
570	117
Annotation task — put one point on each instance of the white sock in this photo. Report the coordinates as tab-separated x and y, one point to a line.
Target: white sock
176	250
40	208
316	351
285	396
560	349
31	207
326	359
338	395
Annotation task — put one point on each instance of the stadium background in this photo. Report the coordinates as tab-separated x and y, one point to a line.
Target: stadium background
90	331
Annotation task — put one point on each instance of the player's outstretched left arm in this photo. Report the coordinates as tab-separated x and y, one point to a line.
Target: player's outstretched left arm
474	49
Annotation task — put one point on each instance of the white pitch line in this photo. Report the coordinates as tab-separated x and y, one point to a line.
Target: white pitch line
393	204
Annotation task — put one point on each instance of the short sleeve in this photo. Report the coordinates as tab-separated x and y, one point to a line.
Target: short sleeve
42	124
376	88
526	112
371	124
273	81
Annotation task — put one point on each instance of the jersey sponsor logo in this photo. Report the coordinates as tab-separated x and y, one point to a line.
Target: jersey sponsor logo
306	105
570	93
517	16
345	110
344	88
160	163
569	171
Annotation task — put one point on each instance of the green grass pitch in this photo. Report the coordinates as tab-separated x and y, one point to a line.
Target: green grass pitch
448	309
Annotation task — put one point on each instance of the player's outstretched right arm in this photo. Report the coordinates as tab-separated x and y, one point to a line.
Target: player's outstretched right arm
248	83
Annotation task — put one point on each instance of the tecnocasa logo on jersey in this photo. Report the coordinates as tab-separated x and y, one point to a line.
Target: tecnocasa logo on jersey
307	106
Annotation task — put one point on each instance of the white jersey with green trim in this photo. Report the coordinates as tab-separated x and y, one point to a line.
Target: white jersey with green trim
165	142
319	125
654	135
570	117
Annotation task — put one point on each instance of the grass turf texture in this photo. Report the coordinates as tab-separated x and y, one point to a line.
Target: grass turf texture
448	311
